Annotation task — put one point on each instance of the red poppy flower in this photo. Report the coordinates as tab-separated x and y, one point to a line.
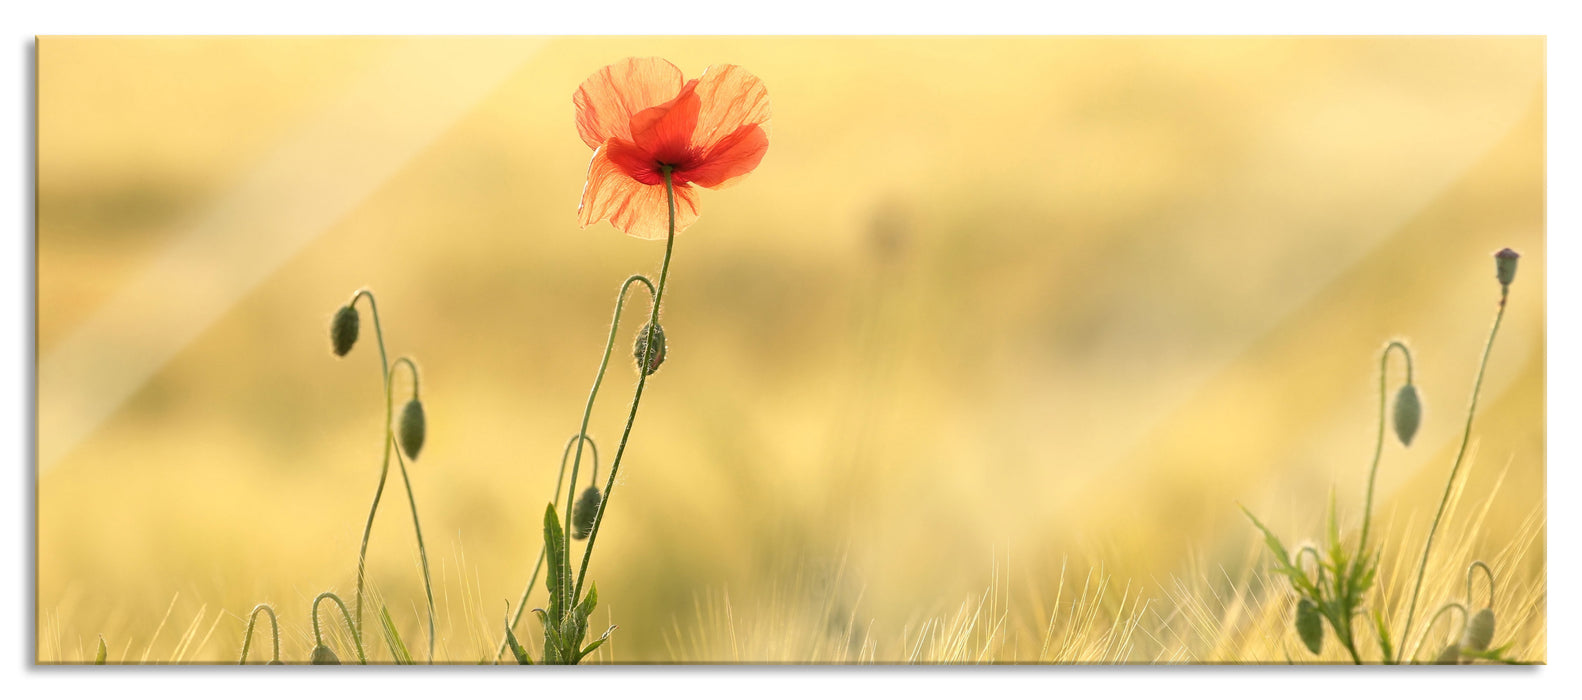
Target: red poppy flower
640	117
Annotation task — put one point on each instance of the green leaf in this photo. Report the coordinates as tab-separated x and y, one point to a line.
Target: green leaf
596	644
516	647
1384	636
1334	523
104	653
1272	541
553	643
393	638
558	578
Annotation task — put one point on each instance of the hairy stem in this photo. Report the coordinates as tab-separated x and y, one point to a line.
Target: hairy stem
384	466
422	552
357	638
1461	452
274	625
1378	446
637	396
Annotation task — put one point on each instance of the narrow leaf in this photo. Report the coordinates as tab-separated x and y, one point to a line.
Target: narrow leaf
559	567
393	638
104	653
516	647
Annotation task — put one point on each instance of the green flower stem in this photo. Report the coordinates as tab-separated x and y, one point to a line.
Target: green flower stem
357	638
521	605
384	467
422	552
1378	447
1461	452
598	379
1447	607
637	396
274	625
1486	572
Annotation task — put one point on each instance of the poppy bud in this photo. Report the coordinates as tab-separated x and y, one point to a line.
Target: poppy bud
658	355
322	656
583	513
1449	656
1480	631
413	428
274	662
1505	266
1408	414
1309	626
343	330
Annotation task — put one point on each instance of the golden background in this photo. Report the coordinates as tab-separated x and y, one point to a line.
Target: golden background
992	313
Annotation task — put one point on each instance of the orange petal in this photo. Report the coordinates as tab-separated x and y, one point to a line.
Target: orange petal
730	159
607	100
732	98
635	208
665	132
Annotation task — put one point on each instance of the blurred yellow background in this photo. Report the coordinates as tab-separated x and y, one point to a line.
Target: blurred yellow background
990	307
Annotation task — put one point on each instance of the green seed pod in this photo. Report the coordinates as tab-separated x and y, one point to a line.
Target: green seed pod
1408	414
1480	631
343	330
413	428
322	656
1449	656
658	356
1505	266
1309	626
583	512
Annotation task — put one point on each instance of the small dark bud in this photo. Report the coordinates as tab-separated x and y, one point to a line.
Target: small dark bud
1505	266
274	662
1480	631
1309	626
658	355
583	513
1408	414
343	330
1449	656
322	656
413	428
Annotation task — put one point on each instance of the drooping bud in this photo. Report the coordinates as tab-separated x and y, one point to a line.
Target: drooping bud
413	428
275	662
1408	414
1480	631
1505	266
1309	626
658	354
1449	656
583	513
322	656
343	330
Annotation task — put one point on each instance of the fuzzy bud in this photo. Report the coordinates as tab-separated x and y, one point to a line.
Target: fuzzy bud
1408	414
1505	266
1480	631
413	428
658	354
343	330
583	513
274	662
322	656
1449	656
1309	626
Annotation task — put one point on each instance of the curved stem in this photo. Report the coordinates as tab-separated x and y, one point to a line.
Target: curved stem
422	552
417	384
384	466
521	605
1447	607
357	638
274	625
637	396
598	379
1378	446
1461	452
1486	572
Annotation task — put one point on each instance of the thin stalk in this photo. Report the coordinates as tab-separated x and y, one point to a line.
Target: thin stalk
274	625
357	638
521	605
384	466
637	396
422	552
1378	446
1461	452
1447	607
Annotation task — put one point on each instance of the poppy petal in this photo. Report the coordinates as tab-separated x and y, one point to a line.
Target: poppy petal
635	208
732	98
730	159
607	100
665	132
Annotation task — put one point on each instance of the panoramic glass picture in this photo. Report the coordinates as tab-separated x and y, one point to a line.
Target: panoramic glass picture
790	350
